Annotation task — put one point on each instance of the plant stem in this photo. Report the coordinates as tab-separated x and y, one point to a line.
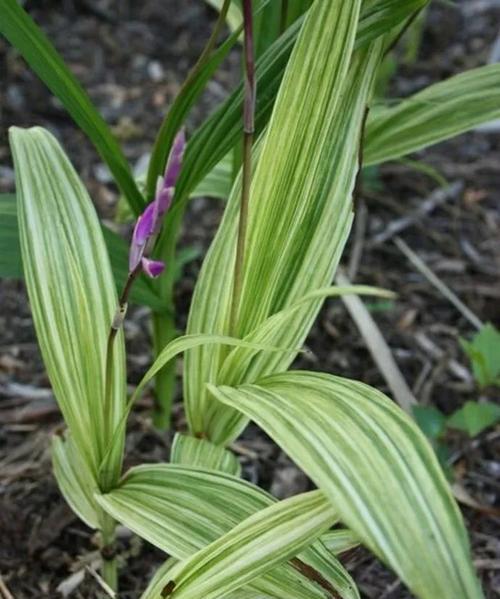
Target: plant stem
164	329
248	132
113	330
108	552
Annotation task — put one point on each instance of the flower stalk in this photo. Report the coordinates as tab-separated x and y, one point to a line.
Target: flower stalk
146	231
248	133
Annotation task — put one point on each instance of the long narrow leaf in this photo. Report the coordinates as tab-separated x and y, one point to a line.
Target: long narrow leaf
179	110
440	111
11	266
300	207
200	453
181	510
246	365
71	290
22	32
261	542
378	17
75	480
377	468
222	130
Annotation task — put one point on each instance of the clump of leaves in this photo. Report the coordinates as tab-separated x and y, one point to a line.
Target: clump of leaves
373	468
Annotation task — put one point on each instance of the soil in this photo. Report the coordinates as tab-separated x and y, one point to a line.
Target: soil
132	60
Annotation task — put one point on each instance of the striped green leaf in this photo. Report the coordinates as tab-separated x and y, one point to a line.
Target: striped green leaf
244	364
340	540
261	542
300	208
379	17
167	354
11	266
75	480
200	453
181	510
23	33
377	468
71	291
216	137
440	111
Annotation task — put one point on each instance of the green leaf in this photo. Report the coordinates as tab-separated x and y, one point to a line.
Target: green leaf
181	510
261	542
474	417
218	182
376	467
380	16
11	265
184	257
432	422
244	364
484	353
214	140
340	540
300	207
179	110
440	111
167	354
189	451
71	291
22	32
247	364
75	480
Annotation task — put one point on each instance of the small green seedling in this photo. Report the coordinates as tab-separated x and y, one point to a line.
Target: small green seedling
474	417
484	354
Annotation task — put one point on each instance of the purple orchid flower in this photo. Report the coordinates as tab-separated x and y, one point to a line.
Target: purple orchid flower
148	225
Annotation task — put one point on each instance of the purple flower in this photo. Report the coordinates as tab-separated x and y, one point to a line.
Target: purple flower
148	225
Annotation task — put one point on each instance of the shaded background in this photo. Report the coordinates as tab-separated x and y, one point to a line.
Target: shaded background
131	57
